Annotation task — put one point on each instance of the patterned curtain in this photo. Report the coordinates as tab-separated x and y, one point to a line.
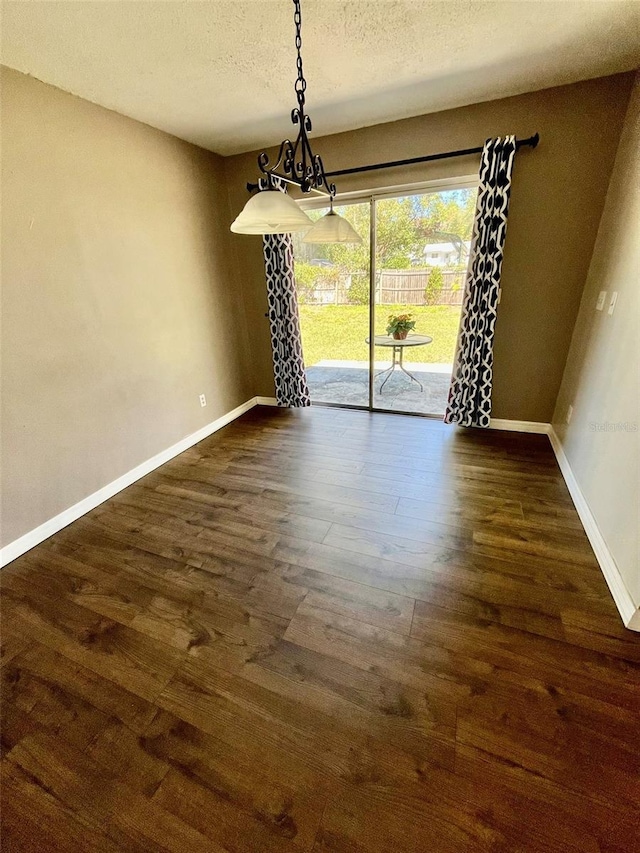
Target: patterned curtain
288	364
470	392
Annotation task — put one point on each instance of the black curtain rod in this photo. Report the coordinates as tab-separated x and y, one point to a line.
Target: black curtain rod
531	141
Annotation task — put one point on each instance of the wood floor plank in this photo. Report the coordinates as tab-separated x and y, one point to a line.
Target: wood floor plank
557	663
300	552
229	828
12	643
451	812
563	819
123	754
46	705
213	626
457	570
604	634
323	630
439	523
436	556
354	822
153	505
100	644
101	800
418	723
237	803
376	607
333	455
50	672
28	807
468	512
532	730
394	656
305	485
320	727
563	815
445	486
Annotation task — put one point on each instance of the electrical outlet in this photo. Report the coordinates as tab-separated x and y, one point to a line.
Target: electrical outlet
203	400
612	304
602	298
569	414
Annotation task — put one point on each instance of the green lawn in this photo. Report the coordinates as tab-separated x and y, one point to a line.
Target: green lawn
339	332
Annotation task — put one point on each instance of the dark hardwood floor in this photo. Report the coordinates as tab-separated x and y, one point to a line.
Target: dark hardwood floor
323	630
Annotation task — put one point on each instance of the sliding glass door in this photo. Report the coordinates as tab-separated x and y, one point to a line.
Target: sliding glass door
408	292
332	284
422	252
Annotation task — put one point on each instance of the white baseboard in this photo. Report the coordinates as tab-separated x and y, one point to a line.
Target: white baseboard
29	540
520	426
628	611
53	525
496	423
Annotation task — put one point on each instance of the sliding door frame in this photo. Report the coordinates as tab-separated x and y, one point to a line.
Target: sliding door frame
372	197
372	297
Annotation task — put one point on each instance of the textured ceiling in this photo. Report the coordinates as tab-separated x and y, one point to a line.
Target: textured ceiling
221	74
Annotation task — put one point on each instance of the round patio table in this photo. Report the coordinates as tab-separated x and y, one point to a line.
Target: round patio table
398	348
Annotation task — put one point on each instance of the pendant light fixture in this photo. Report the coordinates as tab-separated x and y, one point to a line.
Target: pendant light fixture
271	210
332	228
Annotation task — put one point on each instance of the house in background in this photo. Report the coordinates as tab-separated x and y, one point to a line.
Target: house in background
232	626
445	254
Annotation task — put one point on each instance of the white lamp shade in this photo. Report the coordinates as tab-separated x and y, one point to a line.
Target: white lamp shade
332	228
271	212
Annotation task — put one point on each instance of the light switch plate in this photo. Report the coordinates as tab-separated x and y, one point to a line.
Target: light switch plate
612	304
602	298
569	414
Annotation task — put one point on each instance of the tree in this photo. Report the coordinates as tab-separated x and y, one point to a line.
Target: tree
359	289
435	283
306	277
403	227
397	239
447	217
397	236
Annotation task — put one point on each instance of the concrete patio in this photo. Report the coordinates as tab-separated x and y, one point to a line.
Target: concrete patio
347	383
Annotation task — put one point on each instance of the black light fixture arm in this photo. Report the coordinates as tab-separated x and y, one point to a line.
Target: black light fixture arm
300	166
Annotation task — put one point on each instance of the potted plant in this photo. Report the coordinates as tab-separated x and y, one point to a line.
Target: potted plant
400	325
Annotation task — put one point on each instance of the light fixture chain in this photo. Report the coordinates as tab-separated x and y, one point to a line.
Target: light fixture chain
301	83
300	165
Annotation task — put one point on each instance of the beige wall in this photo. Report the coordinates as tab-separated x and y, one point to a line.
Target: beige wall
557	198
125	296
118	307
602	373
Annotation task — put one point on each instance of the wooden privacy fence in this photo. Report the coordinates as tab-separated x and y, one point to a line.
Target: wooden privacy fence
393	287
407	287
